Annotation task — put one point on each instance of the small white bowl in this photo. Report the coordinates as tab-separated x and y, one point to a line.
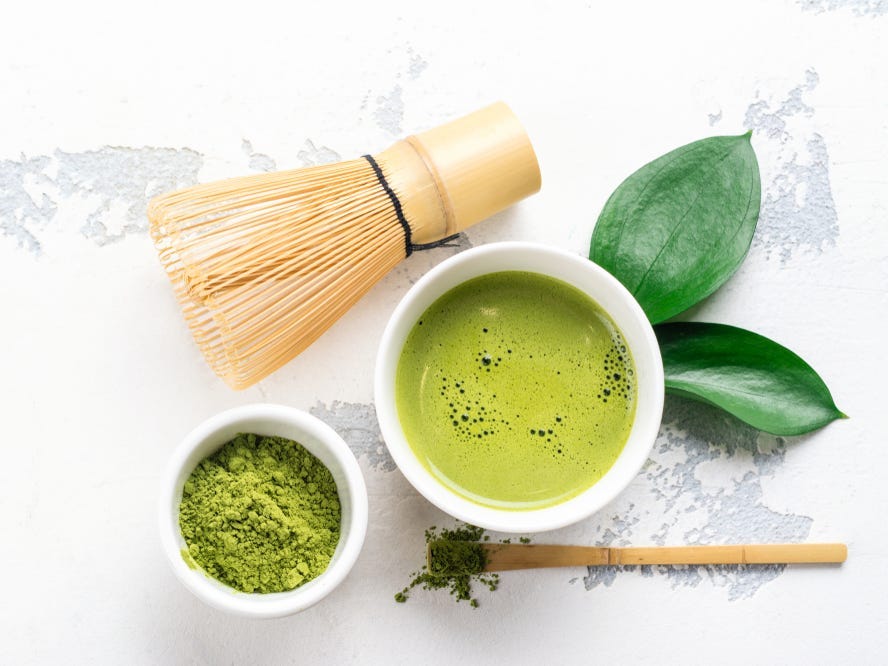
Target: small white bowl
610	295
320	440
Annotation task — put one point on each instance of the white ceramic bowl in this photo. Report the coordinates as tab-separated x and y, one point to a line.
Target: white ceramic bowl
319	439
610	295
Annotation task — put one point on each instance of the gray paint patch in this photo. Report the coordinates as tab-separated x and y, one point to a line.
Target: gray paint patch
798	211
389	110
311	155
119	182
417	65
773	122
258	161
798	208
108	189
356	423
859	7
714	118
25	207
686	500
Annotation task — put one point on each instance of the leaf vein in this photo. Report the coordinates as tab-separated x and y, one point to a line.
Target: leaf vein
637	202
677	227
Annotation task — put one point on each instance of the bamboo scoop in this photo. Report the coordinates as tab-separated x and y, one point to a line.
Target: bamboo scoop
507	557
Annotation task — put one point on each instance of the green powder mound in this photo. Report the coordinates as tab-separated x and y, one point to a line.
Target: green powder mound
457	561
261	514
452	558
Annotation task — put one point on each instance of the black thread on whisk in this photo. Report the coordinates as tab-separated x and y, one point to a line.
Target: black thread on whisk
444	242
408	241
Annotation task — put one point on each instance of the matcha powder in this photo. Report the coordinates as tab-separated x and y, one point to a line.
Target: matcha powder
457	560
261	514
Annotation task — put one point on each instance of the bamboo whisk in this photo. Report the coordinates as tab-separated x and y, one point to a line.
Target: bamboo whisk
262	265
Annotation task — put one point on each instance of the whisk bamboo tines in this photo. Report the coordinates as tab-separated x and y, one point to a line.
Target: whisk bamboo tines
262	265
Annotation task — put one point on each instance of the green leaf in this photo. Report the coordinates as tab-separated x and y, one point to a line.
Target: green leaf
754	378
675	230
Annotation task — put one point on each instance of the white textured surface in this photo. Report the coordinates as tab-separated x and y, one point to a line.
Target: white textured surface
104	105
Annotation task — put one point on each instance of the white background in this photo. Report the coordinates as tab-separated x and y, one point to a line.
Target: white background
101	379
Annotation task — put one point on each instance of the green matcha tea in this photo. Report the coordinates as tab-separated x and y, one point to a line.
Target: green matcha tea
516	390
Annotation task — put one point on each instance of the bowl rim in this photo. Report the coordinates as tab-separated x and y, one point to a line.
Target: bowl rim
265	605
631	321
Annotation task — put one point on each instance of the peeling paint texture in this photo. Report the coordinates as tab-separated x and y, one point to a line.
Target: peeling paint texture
356	424
417	65
311	155
704	486
25	207
798	210
258	161
389	111
106	189
858	7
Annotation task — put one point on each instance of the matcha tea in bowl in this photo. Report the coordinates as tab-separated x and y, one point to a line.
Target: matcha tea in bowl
519	387
263	510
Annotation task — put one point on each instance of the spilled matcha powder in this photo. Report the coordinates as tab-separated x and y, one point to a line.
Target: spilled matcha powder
456	560
261	514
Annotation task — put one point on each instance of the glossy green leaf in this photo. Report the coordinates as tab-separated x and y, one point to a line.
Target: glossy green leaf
754	378
677	228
